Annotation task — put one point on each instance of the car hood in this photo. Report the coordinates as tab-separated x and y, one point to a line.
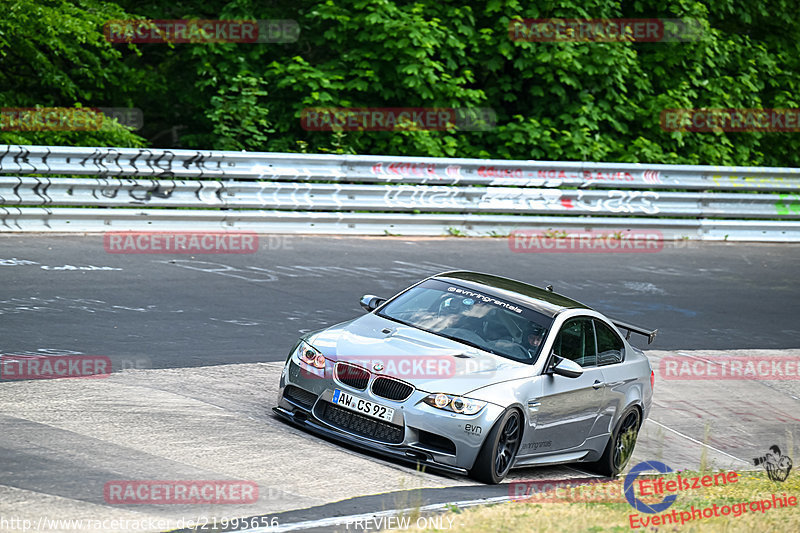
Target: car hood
429	362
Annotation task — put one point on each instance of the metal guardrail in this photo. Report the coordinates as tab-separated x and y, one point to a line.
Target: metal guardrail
191	164
272	192
27	191
36	219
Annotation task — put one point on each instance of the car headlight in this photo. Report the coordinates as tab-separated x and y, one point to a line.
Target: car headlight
309	355
456	404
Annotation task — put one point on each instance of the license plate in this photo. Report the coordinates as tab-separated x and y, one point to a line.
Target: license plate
363	406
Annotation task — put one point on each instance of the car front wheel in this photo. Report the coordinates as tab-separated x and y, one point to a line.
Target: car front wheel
499	449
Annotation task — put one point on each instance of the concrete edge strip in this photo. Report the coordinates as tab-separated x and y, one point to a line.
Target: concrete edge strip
338	520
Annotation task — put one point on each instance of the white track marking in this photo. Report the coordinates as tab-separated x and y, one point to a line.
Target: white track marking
696	441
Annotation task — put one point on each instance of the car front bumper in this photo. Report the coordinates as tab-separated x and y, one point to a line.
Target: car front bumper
419	433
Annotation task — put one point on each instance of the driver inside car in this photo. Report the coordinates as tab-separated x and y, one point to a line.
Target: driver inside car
451	311
533	339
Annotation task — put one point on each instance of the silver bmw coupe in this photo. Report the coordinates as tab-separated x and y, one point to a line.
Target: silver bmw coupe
474	374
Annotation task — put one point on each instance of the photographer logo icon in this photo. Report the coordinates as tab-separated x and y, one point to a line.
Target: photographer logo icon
777	466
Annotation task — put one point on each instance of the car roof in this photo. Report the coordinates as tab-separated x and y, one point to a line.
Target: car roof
542	300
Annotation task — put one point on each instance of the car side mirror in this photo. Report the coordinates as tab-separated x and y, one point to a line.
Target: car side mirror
370	302
567	368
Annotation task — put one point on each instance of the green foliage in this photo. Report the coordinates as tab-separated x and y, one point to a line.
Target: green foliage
589	101
54	54
239	115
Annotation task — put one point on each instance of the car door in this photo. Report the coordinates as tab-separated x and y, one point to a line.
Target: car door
569	407
610	357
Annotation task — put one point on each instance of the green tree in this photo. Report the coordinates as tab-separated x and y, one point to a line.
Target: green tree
54	54
588	101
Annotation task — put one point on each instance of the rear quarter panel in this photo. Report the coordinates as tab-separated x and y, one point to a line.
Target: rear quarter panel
628	383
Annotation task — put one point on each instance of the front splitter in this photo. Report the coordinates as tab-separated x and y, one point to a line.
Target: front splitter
399	454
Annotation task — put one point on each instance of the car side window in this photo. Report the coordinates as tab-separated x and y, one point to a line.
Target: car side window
609	345
576	342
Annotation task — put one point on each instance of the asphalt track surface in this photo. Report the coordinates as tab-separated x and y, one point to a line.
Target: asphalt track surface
197	342
177	311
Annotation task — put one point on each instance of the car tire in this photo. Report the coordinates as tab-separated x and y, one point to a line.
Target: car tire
620	445
499	449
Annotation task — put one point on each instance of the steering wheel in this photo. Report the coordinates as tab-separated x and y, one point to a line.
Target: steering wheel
452	303
493	318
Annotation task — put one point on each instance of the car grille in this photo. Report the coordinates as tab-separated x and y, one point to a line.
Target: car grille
298	396
361	425
352	375
391	389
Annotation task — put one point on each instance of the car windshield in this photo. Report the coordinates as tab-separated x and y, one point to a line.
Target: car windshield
476	318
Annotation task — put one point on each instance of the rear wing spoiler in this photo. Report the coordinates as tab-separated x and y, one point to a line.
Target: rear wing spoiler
630	328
